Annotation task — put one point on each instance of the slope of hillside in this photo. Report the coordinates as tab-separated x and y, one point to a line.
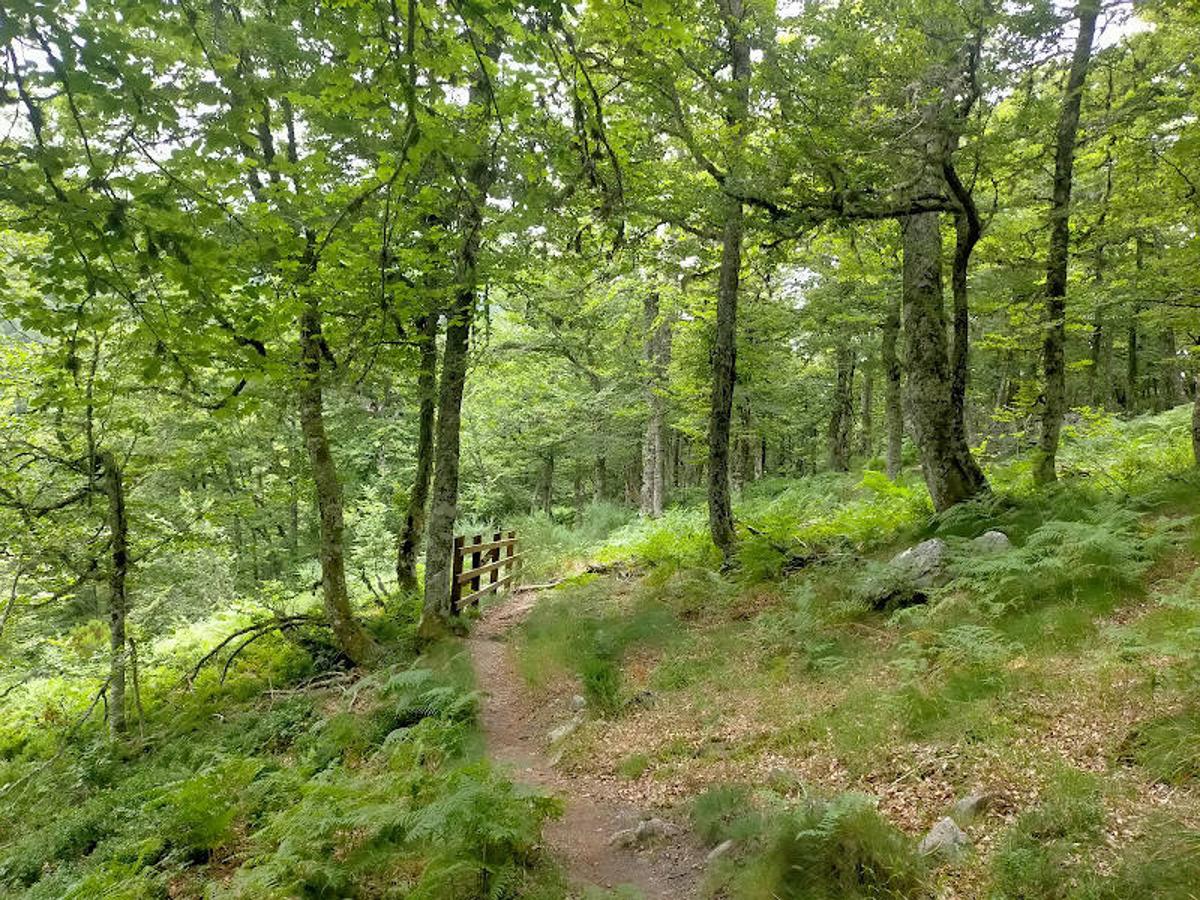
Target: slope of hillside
823	709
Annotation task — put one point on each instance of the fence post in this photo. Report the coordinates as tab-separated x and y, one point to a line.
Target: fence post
494	557
511	551
456	568
476	559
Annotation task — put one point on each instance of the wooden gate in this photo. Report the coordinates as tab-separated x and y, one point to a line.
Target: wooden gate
487	558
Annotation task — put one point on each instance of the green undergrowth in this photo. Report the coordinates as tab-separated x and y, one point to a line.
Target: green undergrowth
280	781
815	848
1094	607
578	632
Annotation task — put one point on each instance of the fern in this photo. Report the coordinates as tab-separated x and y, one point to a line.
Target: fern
1062	559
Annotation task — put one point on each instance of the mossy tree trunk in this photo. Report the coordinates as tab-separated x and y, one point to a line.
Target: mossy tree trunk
1196	422
348	633
112	485
1171	392
656	358
724	353
1054	349
418	498
951	473
841	419
443	513
893	403
867	415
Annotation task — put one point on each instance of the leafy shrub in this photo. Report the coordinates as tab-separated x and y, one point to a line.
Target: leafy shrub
679	539
633	766
72	835
482	830
970	644
274	730
803	628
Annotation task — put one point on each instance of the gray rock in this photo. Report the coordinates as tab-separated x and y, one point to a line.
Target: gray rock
923	565
991	542
643	834
626	837
945	840
970	808
651	829
564	731
578	703
722	849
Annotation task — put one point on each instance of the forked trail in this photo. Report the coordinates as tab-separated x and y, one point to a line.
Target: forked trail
515	726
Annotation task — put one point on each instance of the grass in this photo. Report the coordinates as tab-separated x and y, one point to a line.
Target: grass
818	849
1037	856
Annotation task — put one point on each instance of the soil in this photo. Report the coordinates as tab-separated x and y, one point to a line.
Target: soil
515	726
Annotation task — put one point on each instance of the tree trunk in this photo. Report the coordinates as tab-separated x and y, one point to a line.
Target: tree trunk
1132	378
600	491
867	434
544	501
418	498
967	229
841	419
893	400
1054	351
1196	423
677	473
951	473
1171	392
443	513
112	484
724	354
1100	376
724	362
1098	389
657	359
437	612
350	636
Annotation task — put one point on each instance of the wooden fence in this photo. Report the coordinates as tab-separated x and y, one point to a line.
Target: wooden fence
487	558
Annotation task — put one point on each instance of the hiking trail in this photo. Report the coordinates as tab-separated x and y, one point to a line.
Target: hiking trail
515	726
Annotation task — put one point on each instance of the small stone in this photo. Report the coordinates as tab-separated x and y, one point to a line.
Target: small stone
992	542
564	731
945	839
652	829
646	832
626	837
722	849
578	703
970	808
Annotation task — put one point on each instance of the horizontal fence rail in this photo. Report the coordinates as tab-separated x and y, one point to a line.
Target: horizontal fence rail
496	559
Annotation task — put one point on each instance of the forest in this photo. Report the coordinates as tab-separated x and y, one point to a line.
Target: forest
834	363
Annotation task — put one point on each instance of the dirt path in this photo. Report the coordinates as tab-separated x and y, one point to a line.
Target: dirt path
515	728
